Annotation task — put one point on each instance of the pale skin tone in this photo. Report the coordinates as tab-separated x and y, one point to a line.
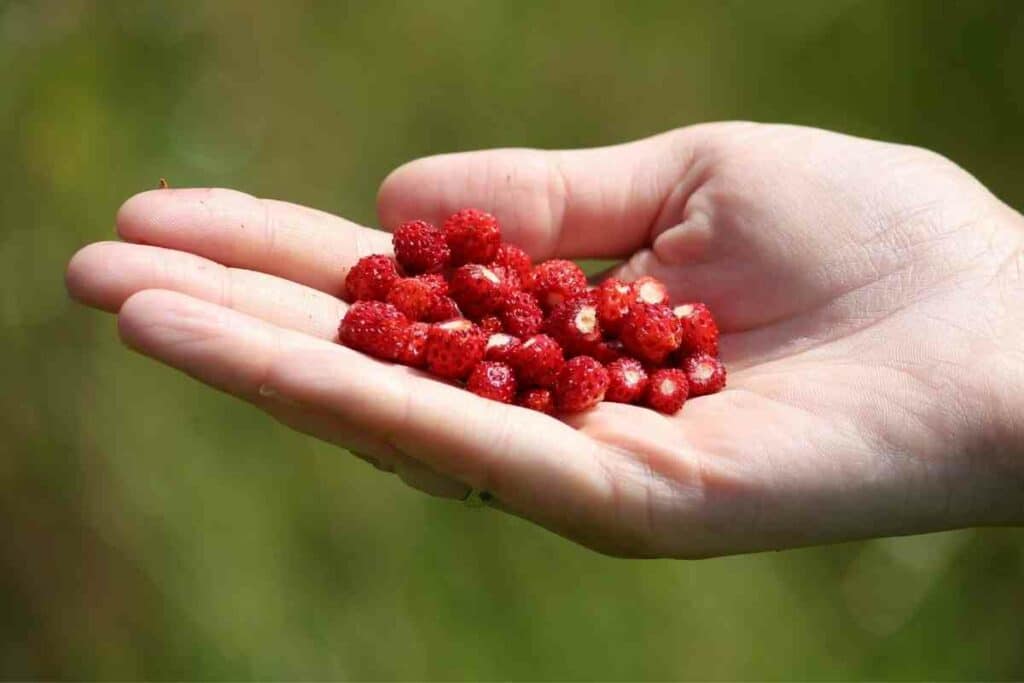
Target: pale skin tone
870	295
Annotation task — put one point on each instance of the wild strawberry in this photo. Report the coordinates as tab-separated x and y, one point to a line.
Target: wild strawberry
490	324
516	260
581	384
573	324
436	282
553	282
454	347
478	290
705	373
500	347
473	236
627	381
537	399
370	278
538	360
444	308
650	332
509	276
520	315
667	390
420	247
414	351
649	290
414	297
375	328
608	351
699	330
493	380
614	297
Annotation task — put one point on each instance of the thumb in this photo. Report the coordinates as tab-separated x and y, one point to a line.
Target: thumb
594	203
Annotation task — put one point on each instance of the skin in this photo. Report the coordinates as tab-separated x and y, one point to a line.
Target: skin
870	295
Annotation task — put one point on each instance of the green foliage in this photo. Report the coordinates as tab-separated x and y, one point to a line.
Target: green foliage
154	529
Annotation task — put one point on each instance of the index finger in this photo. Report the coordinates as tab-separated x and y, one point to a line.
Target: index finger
238	230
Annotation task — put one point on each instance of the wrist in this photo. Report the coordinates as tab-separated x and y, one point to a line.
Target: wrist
999	444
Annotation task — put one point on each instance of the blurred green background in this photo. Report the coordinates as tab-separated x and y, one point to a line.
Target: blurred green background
154	529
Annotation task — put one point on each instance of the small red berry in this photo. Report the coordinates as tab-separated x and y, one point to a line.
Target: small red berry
538	399
490	324
520	315
627	381
705	373
500	347
375	328
438	285
454	347
650	332
649	290
538	360
608	351
414	297
371	278
444	308
414	352
493	380
667	390
420	247
573	324
477	289
553	282
473	236
614	297
510	277
516	260
581	384
699	330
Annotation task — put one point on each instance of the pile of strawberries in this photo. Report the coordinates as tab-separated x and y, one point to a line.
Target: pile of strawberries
464	306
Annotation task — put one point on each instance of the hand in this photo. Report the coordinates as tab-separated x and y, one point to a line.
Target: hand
871	298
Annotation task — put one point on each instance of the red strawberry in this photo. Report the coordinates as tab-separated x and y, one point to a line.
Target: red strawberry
454	347
473	236
699	330
516	260
493	380
627	381
500	347
705	373
490	324
573	324
438	285
510	277
538	360
444	308
371	278
420	247
650	332
581	384
414	296
478	290
614	298
521	315
667	390
375	328
538	399
553	282
608	351
649	290
414	353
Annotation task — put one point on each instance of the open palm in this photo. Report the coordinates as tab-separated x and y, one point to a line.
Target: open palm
860	288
